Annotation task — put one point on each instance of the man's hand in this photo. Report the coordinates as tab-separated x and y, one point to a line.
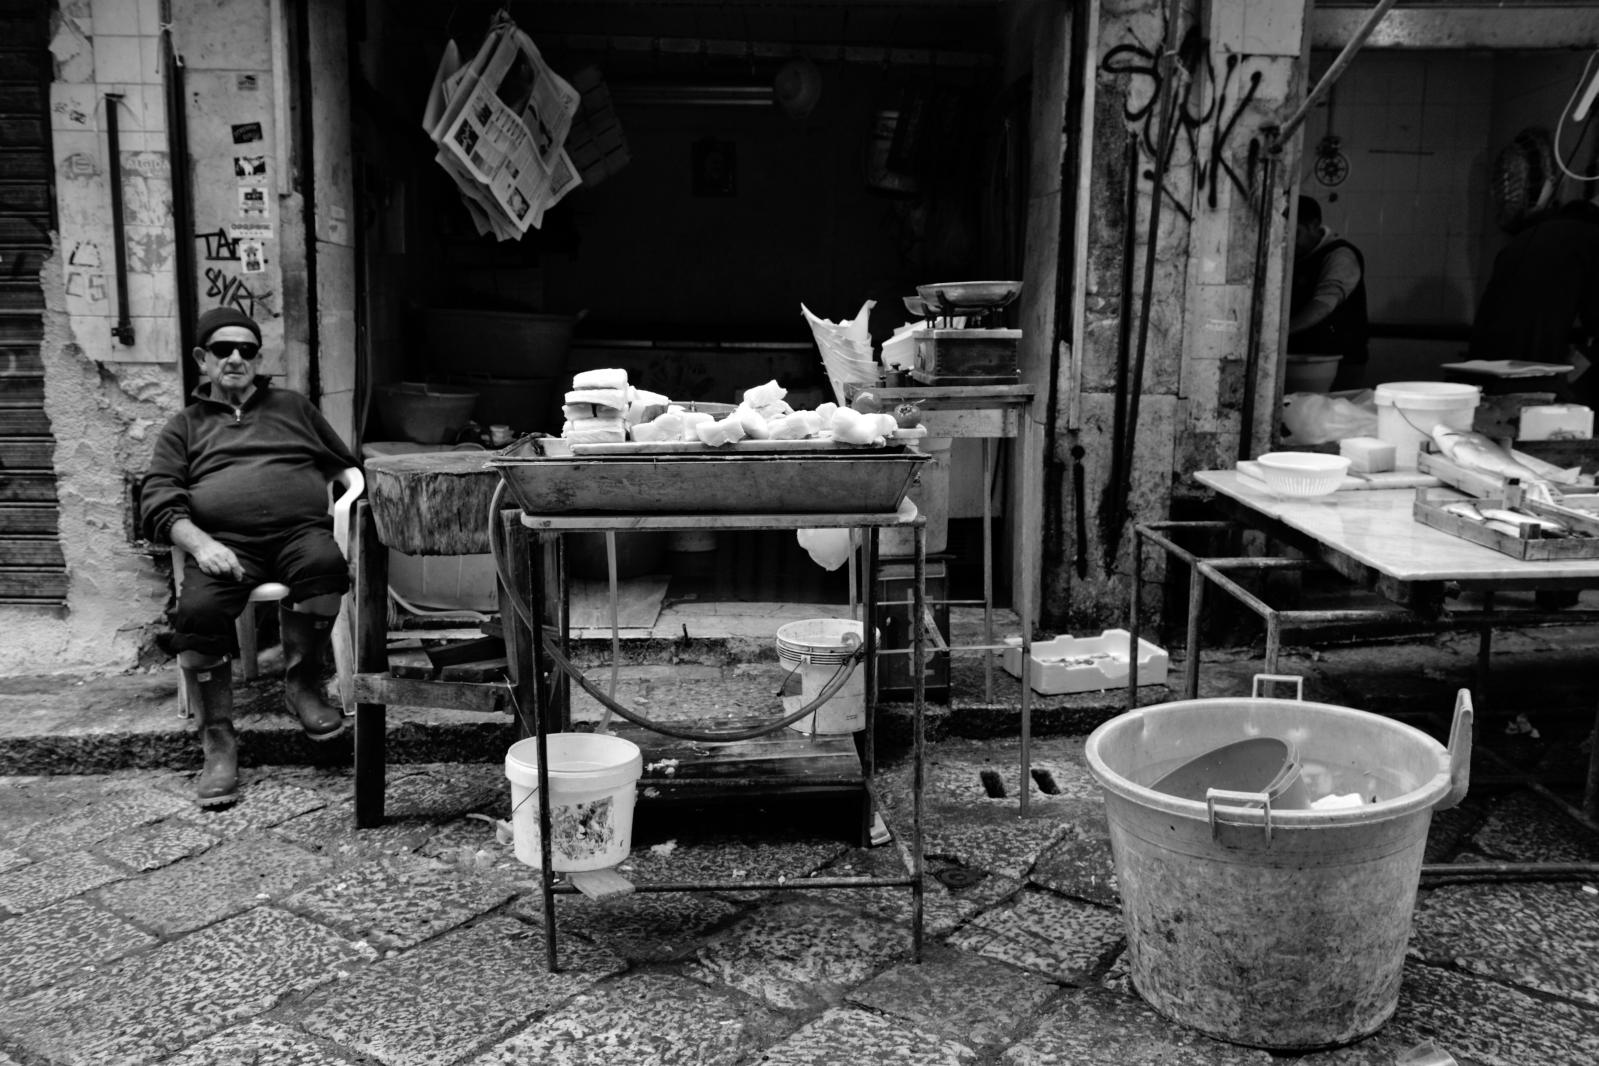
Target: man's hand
210	555
216	558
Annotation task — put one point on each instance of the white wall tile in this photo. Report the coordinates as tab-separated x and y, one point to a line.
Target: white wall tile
74	107
115	17
150	59
149	17
116	60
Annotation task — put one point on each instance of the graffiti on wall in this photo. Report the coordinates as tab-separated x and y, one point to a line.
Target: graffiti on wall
86	279
1207	107
226	290
223	283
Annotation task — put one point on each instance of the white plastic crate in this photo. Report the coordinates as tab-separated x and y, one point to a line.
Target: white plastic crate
1085	664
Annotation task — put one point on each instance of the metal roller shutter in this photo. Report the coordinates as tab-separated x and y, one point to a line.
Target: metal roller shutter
32	569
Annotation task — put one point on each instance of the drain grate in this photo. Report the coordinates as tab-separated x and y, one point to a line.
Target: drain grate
956	878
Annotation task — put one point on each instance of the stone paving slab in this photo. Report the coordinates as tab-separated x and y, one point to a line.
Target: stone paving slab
644	1019
55	943
230	878
843	1036
1091	1027
455	996
1475	1021
1065	939
799	954
962	997
398	901
52	880
148	1005
1543	937
260	1043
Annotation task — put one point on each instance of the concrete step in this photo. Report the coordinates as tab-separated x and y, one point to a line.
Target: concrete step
727	660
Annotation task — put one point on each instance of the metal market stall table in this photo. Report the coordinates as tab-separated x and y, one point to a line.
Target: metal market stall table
843	767
989	413
789	765
1372	538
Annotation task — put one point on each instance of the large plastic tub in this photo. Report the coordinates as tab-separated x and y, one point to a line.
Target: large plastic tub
1282	929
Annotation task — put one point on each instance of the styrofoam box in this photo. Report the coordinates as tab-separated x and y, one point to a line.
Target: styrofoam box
1085	664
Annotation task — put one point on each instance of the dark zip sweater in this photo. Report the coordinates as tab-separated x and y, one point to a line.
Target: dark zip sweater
1343	331
257	469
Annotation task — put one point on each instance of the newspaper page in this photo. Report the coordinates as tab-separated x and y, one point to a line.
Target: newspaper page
504	123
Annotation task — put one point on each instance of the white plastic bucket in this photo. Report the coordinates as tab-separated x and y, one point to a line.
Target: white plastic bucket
813	652
1279	929
593	784
1407	411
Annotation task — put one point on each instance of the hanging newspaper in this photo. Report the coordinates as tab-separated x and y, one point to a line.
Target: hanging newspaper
501	124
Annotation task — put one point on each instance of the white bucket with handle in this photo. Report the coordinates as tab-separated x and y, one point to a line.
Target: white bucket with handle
1407	411
593	785
813	652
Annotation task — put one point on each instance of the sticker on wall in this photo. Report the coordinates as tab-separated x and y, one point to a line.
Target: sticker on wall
249	167
245	83
252	201
251	231
247	132
338	231
252	257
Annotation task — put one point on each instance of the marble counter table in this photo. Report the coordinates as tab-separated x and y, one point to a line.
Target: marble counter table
1373	538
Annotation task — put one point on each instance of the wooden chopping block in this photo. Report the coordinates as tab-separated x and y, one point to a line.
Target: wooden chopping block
432	503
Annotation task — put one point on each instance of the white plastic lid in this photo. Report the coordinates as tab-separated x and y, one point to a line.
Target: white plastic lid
1428	395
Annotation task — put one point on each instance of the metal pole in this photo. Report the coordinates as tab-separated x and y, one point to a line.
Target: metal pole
919	730
123	330
1334	72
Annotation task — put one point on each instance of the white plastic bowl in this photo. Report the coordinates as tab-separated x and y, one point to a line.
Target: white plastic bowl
1303	473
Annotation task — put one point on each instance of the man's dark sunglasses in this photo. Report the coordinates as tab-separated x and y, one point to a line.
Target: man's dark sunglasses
223	349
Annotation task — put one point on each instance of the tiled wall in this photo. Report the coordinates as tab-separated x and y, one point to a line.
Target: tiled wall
1420	130
104	49
1414	129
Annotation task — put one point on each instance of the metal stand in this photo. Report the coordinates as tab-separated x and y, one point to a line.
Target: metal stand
535	666
989	413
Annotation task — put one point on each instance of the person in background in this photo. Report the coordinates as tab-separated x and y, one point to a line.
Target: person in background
238	480
1541	303
1327	308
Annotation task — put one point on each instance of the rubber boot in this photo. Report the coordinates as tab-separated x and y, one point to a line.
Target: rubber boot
210	691
306	640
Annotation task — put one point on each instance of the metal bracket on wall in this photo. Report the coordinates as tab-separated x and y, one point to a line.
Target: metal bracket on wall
123	330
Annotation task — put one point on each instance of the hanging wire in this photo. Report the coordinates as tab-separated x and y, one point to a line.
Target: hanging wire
500	552
1587	69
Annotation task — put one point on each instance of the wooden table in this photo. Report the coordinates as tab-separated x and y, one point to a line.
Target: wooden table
1371	538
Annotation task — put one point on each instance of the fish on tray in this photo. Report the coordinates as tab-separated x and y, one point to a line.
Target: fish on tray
1474	451
1506	520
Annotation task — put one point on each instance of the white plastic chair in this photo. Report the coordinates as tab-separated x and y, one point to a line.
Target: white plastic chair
343	490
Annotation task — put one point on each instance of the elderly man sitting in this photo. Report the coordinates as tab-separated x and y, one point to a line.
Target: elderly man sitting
239	480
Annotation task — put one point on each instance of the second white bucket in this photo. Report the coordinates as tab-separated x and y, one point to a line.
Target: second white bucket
593	785
1407	411
813	651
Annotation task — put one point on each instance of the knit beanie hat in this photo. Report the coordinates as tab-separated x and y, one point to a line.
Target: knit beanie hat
218	317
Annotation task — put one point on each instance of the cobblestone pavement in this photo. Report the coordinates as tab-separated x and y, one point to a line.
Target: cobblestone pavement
137	928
